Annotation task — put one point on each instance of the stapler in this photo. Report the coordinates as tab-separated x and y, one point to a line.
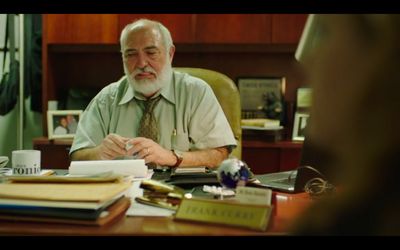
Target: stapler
160	194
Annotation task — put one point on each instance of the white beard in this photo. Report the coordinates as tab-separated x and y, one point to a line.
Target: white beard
147	86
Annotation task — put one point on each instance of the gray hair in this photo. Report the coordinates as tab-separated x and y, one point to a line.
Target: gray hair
165	34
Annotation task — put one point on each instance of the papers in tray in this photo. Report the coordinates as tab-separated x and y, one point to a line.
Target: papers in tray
262	128
190	170
137	167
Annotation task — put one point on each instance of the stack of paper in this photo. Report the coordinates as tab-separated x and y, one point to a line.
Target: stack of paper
136	168
83	203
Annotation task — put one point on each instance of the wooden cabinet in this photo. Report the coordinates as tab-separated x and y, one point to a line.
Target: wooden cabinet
184	28
82	51
233	28
55	153
287	28
268	157
81	28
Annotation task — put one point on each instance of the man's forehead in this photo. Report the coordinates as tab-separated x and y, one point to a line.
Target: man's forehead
143	38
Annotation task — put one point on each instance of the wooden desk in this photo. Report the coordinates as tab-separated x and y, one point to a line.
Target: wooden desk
288	206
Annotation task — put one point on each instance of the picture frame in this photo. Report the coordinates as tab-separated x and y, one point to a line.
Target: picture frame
62	124
304	97
299	126
256	93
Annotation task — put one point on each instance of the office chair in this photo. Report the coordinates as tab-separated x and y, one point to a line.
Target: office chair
228	97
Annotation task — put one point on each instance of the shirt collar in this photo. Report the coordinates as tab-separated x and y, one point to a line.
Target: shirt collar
167	92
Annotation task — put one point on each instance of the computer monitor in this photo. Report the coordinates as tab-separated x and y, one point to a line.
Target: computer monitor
315	162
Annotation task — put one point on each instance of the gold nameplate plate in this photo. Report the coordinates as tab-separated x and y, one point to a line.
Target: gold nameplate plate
225	212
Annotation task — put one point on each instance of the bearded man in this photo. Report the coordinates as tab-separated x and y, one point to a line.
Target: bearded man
188	126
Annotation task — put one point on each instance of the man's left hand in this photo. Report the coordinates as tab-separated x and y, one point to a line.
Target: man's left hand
151	152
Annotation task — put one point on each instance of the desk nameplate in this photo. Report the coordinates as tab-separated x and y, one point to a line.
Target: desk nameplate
225	212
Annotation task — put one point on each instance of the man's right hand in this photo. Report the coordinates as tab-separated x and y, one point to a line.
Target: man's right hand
113	145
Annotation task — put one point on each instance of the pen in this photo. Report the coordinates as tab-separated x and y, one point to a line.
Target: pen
173	138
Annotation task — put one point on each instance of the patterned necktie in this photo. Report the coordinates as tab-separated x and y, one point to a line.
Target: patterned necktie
148	125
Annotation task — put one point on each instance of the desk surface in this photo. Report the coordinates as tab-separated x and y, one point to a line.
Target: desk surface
288	206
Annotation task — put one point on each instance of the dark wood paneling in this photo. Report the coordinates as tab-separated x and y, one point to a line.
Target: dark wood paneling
289	158
287	28
269	157
180	25
81	28
94	70
233	28
54	153
261	160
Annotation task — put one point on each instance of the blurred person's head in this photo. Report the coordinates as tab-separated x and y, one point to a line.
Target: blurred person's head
354	73
147	53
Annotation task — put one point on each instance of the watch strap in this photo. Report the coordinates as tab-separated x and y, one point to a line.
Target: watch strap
179	159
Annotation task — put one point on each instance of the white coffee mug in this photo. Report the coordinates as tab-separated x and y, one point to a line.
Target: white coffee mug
26	162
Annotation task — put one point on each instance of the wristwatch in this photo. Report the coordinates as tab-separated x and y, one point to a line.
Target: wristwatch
179	157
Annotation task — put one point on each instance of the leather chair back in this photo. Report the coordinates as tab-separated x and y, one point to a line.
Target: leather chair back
228	97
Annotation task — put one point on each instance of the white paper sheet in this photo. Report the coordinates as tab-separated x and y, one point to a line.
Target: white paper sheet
137	168
138	209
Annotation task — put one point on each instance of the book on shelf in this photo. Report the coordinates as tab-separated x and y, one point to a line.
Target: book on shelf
260	123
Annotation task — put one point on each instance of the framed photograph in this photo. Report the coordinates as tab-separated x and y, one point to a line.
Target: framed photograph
62	123
299	126
261	96
304	97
